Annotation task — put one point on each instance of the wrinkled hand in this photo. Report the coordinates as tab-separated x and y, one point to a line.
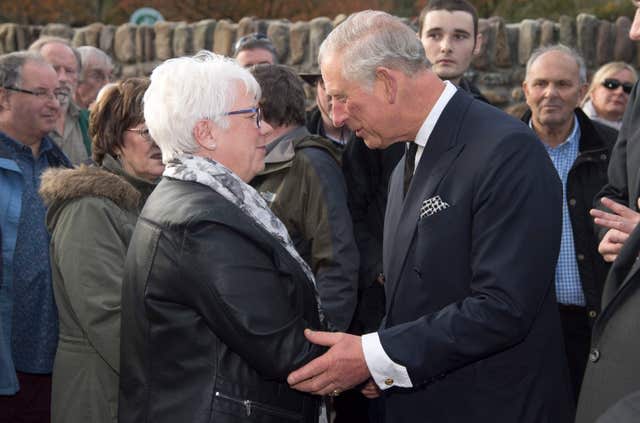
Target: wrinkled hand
340	368
370	390
622	217
611	244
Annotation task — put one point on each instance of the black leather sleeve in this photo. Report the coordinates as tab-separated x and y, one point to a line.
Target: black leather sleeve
260	312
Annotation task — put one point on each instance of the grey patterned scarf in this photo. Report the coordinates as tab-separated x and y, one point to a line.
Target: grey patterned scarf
188	167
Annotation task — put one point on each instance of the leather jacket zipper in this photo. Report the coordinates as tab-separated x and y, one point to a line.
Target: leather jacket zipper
249	405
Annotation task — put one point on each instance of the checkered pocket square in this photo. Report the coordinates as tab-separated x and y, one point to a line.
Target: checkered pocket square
432	206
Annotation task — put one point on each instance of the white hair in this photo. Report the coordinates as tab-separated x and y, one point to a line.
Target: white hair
187	89
95	56
369	39
560	48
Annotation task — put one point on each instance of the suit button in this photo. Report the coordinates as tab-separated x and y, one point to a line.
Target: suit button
593	314
388	381
572	202
603	157
580	257
594	355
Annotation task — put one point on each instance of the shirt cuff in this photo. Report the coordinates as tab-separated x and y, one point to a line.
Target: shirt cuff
385	373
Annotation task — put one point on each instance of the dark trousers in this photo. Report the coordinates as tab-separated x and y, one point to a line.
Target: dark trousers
32	404
577	342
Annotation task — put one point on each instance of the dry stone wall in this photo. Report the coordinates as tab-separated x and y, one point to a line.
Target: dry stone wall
498	70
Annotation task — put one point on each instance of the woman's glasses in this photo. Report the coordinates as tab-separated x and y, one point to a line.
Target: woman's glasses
143	132
255	110
613	84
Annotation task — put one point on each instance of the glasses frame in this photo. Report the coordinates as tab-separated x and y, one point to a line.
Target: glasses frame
143	132
613	84
44	94
256	110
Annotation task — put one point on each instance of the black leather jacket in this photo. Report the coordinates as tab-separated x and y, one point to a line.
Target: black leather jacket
213	313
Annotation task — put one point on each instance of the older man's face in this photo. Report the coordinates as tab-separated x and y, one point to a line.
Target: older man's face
94	77
255	56
65	64
362	110
32	117
553	89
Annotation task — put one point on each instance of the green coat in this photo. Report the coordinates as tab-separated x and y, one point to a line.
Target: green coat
91	216
303	184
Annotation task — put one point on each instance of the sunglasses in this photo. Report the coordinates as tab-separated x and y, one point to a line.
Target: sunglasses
242	41
613	84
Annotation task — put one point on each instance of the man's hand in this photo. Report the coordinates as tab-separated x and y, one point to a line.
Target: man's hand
339	369
622	217
621	223
611	244
370	390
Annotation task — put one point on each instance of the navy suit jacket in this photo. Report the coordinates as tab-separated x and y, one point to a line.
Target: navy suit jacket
471	309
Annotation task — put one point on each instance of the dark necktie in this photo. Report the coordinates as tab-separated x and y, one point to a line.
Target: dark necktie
409	164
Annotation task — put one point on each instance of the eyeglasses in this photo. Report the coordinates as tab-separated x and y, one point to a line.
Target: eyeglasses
59	95
256	36
613	84
256	110
143	132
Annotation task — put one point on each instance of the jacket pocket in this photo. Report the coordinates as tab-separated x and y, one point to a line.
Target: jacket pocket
250	408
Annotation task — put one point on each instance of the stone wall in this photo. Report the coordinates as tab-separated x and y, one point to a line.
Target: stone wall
498	70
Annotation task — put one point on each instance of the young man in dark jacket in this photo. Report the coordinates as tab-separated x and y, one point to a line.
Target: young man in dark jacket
303	184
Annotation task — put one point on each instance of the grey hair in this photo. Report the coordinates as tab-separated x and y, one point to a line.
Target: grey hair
38	44
95	55
11	65
561	48
369	39
187	89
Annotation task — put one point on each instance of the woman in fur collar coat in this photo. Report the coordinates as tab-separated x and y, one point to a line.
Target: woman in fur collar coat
91	216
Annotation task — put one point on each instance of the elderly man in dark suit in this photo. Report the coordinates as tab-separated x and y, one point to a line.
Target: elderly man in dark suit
471	237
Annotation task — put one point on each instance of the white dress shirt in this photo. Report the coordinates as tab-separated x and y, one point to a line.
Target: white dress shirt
385	372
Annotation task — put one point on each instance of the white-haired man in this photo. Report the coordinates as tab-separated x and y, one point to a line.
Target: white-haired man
471	331
97	68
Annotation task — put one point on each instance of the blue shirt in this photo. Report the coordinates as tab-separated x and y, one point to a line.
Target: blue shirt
568	283
34	331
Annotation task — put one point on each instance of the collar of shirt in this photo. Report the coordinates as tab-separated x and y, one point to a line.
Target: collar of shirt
432	118
572	139
17	147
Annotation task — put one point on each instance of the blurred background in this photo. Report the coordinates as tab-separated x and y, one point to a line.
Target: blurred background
116	12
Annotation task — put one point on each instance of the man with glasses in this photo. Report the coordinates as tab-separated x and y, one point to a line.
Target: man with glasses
71	130
579	148
29	108
255	49
97	69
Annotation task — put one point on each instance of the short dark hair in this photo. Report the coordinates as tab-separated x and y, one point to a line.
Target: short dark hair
282	99
449	6
255	41
116	110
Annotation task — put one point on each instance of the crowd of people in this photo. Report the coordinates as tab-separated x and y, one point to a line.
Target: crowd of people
200	246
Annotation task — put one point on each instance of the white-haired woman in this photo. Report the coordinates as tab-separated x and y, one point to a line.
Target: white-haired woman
608	94
216	298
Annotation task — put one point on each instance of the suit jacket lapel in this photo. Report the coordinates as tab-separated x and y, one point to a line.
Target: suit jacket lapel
439	154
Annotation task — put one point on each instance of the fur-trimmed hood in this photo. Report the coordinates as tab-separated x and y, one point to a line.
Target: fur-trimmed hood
59	187
62	185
